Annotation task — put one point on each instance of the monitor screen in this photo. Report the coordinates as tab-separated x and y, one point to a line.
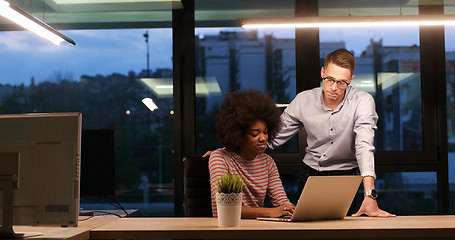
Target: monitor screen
97	163
49	147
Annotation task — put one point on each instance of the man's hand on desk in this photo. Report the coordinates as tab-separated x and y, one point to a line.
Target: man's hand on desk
370	208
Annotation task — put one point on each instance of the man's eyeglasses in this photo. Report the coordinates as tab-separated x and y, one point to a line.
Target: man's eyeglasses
340	84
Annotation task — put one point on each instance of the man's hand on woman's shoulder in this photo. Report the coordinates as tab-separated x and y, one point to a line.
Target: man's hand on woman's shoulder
207	154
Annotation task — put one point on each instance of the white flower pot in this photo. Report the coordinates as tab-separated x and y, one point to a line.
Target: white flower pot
229	209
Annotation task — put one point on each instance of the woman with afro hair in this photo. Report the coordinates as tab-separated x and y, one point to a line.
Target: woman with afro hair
246	121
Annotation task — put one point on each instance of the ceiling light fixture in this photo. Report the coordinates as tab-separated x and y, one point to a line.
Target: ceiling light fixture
349	21
32	24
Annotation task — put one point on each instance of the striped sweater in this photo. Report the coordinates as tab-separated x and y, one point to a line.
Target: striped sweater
261	177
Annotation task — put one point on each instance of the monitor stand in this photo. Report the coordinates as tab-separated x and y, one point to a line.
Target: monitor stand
9	180
7	183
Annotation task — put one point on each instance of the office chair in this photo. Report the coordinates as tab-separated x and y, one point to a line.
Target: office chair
197	187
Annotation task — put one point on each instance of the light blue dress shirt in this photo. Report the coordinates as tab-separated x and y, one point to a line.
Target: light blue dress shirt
339	139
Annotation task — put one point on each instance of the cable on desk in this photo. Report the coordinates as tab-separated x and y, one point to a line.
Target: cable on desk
102	213
114	202
85	219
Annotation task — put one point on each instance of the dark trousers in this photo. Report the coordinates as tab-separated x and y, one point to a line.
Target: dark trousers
307	171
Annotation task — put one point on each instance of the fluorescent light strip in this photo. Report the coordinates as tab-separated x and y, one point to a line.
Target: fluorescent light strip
282	105
349	21
32	24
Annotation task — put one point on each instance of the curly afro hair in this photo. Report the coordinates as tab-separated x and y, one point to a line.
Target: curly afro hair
239	110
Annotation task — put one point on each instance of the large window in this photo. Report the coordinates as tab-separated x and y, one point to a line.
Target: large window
450	84
107	74
105	77
389	69
231	58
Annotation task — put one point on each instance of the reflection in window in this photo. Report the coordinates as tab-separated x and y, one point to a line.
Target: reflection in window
106	86
231	58
405	193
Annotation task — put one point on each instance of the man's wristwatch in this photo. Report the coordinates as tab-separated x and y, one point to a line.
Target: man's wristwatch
372	193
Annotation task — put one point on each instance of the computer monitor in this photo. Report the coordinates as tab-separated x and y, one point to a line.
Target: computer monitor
97	163
49	147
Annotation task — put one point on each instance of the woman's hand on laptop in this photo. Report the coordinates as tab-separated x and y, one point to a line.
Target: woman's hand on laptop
287	209
283	210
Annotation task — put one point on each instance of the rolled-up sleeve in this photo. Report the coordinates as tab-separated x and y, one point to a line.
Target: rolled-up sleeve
364	130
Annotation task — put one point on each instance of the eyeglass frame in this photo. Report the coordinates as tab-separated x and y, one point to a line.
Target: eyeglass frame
339	83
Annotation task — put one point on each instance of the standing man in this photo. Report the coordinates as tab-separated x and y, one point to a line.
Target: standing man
340	122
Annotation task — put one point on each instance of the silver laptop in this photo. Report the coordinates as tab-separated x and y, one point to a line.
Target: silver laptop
323	198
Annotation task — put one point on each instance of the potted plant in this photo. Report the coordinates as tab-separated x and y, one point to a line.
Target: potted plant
229	200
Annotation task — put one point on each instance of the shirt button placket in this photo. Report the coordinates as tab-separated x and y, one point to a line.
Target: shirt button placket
331	134
324	155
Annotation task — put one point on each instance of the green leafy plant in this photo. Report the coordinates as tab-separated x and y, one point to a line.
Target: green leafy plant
230	183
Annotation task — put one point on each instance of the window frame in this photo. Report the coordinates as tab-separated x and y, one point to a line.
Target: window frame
433	156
